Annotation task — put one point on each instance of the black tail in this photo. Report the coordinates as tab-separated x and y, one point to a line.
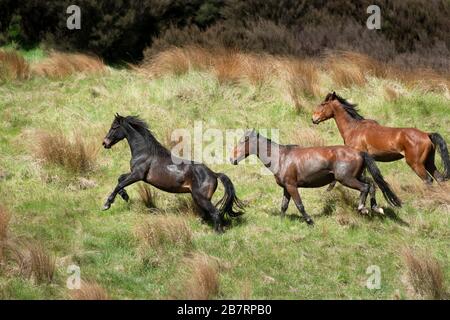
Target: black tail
229	199
438	141
389	195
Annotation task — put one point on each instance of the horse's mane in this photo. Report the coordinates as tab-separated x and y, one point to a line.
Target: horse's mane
350	108
142	127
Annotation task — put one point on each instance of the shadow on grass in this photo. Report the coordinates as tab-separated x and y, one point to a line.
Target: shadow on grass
392	215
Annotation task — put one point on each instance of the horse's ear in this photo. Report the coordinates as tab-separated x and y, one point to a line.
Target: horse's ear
118	116
333	96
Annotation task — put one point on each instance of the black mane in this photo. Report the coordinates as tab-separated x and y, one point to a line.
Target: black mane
142	127
351	109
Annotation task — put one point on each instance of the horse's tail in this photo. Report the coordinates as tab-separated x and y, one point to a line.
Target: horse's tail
229	199
438	141
372	167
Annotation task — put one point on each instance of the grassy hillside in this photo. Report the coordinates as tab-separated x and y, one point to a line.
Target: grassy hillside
168	252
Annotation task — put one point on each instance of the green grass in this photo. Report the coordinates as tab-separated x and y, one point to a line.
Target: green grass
276	258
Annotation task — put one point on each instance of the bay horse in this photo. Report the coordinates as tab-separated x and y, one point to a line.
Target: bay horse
386	144
294	166
154	164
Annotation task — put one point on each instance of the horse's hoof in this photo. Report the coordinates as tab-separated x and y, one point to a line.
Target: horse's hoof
106	206
125	197
219	230
310	221
363	211
378	210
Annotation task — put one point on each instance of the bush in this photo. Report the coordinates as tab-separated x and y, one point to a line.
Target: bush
120	30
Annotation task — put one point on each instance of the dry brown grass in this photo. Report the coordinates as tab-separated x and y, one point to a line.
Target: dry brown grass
344	72
424	195
201	281
76	154
148	197
391	93
32	260
228	67
424	274
177	61
422	79
187	206
307	137
258	69
13	66
159	231
89	290
59	65
4	224
302	80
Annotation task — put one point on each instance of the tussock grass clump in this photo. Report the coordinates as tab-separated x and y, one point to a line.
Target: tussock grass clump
60	65
307	137
423	79
161	231
89	290
187	206
391	93
436	194
32	261
148	197
76	155
13	66
177	61
344	72
4	225
201	280
424	274
302	80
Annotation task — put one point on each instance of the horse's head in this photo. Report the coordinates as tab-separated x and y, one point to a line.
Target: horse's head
115	133
325	110
246	146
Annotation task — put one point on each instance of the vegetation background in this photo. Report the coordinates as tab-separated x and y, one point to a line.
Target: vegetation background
231	64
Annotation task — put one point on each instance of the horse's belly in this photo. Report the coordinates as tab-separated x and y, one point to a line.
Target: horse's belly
387	156
316	180
169	179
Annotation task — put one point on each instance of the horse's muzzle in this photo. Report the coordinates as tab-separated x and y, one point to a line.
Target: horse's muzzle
234	162
106	144
315	121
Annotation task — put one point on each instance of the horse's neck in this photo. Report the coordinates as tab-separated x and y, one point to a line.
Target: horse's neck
136	141
344	122
269	153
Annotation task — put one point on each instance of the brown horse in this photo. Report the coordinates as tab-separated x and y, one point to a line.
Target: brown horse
385	143
294	167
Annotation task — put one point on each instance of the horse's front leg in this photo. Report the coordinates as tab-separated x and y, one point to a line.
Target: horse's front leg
123	193
125	181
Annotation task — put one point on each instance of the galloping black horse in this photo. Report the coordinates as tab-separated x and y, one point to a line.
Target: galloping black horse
154	164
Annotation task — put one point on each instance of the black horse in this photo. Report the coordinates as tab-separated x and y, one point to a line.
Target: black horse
153	163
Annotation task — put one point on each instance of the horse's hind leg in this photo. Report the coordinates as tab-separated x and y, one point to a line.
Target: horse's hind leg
372	193
285	202
331	186
203	200
364	188
431	167
293	191
416	160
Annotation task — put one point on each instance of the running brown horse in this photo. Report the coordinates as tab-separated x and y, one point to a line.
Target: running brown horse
385	144
294	166
154	164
